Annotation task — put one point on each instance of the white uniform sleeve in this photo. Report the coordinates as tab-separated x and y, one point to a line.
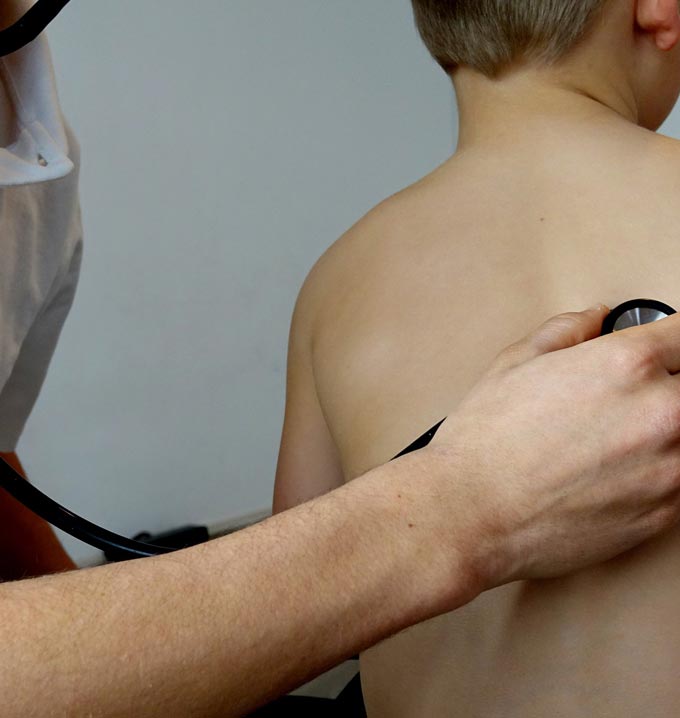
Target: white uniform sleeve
20	392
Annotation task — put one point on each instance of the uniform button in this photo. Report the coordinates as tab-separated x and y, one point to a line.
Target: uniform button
42	161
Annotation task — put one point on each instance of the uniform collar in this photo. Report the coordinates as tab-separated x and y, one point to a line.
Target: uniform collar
40	153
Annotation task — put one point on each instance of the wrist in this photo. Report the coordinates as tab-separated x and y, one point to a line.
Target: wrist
438	537
466	519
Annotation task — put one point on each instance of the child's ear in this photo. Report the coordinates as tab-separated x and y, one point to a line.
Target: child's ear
660	19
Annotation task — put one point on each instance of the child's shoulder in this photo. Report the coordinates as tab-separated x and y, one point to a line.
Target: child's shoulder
384	230
363	253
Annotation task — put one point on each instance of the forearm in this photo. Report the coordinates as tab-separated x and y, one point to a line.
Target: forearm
220	628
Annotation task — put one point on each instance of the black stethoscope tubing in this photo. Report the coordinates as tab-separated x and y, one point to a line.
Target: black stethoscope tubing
110	543
124	548
28	27
63	518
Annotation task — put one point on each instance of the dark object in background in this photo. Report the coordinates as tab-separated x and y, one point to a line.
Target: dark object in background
298	707
175	539
349	704
351	701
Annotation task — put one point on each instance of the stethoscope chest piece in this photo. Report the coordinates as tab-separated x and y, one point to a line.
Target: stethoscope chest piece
635	313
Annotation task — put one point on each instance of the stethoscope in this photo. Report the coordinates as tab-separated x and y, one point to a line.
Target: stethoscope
630	314
27	29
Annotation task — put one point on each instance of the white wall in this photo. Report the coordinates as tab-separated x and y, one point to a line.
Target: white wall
225	146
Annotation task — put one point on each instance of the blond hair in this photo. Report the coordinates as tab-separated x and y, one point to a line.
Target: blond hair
491	35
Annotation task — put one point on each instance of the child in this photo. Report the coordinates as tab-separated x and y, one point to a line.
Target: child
560	195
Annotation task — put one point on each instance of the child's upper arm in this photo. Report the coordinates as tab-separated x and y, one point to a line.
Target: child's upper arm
309	462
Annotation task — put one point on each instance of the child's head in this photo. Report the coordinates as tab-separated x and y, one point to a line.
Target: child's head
635	38
491	35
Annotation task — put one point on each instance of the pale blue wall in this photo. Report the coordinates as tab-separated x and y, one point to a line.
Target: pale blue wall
225	146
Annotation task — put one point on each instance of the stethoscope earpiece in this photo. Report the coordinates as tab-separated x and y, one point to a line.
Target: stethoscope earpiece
635	313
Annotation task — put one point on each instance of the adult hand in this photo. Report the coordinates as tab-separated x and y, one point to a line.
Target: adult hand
569	448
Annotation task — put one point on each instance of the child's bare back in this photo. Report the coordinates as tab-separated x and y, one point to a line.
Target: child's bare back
554	204
418	299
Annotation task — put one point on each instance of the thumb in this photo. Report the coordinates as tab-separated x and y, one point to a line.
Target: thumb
559	332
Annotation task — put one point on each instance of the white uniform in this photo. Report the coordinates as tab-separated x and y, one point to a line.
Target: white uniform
40	230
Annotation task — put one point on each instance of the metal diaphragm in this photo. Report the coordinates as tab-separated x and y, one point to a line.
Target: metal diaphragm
635	313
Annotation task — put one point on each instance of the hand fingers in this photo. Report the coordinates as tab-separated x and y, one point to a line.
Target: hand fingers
559	332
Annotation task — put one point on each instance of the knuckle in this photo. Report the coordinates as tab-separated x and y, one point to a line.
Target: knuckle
666	516
635	359
671	474
543	339
666	481
673	482
509	351
567	320
509	356
561	324
663	422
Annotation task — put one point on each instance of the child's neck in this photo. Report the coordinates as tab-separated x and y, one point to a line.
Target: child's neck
517	107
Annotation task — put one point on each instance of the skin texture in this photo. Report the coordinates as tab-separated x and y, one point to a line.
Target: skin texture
554	198
12	10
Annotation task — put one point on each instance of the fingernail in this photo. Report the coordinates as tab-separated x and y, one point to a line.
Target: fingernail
598	308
